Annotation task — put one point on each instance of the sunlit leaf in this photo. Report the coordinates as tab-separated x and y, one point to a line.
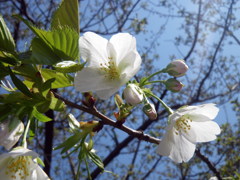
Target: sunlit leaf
62	42
20	85
56	104
61	80
66	15
41	117
6	40
96	159
70	142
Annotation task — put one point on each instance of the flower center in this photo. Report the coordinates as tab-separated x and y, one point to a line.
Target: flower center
183	124
109	69
18	167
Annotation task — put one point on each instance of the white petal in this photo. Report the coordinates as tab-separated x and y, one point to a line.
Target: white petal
166	145
38	174
107	93
3	174
93	48
90	79
208	110
20	151
202	131
130	64
180	149
120	45
12	137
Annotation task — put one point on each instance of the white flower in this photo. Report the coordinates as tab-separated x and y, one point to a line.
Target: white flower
188	125
10	136
18	164
110	63
133	94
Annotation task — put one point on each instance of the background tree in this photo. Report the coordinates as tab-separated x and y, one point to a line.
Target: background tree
203	33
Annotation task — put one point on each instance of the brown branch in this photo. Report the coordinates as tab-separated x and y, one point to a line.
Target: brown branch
133	134
227	23
196	32
133	161
107	121
209	164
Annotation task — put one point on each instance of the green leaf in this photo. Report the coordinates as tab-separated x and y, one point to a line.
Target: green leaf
56	104
69	66
66	15
42	54
20	85
61	80
62	42
4	112
96	159
46	86
4	70
26	70
70	142
39	161
41	117
8	58
6	40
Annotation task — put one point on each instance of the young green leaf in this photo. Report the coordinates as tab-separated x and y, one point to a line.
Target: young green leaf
66	15
20	85
41	117
42	53
70	142
6	40
61	80
96	159
63	42
56	104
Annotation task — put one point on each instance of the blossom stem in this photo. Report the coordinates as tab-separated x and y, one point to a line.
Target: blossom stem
151	82
168	109
24	142
149	77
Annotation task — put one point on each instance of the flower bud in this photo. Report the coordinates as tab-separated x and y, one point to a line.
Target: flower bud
177	68
150	111
89	99
88	126
132	94
173	85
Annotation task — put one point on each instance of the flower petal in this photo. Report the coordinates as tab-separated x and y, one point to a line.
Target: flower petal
177	147
38	173
90	79
107	93
20	151
130	64
208	110
9	138
120	45
202	131
93	48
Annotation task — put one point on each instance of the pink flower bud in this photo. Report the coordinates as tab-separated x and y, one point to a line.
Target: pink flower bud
150	111
177	68
173	85
132	94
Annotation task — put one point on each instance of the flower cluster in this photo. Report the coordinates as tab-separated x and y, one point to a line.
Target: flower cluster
111	64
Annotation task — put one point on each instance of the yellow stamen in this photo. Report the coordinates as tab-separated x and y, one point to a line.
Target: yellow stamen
18	167
183	124
109	69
